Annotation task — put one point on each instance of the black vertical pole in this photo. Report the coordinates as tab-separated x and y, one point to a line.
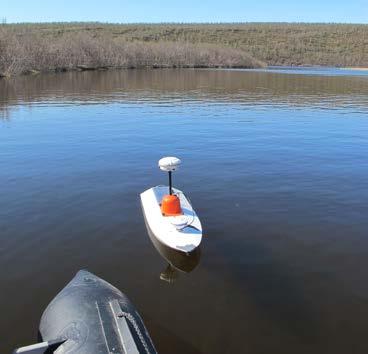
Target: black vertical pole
170	182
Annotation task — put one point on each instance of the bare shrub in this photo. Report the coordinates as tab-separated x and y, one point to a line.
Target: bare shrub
25	51
11	53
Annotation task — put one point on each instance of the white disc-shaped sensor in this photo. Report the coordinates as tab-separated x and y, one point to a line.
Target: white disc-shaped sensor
169	164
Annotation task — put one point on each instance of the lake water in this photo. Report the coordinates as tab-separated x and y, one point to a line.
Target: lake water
275	163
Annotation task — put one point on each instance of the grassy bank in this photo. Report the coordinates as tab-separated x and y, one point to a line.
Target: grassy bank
67	46
29	49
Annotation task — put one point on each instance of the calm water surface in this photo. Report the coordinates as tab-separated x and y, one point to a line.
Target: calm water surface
275	163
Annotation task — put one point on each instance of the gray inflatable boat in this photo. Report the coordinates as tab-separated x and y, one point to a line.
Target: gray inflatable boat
91	316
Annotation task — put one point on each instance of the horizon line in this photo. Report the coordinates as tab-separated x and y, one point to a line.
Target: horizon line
186	23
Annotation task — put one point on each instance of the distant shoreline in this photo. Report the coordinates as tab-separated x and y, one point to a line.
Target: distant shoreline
83	68
39	47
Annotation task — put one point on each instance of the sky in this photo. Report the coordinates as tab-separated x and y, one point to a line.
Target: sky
132	11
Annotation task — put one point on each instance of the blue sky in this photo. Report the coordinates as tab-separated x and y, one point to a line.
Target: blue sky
354	11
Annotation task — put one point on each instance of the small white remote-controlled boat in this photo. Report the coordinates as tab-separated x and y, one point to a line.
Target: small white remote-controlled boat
169	214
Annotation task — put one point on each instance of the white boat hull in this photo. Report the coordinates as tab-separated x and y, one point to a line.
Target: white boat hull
182	233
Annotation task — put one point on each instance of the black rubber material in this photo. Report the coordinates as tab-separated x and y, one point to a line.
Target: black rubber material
94	317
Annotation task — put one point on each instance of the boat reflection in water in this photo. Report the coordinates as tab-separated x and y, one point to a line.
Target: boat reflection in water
177	261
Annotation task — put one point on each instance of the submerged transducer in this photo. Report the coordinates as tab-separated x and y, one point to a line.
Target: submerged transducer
169	214
91	316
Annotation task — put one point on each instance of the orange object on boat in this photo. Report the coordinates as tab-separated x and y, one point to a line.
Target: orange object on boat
170	205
